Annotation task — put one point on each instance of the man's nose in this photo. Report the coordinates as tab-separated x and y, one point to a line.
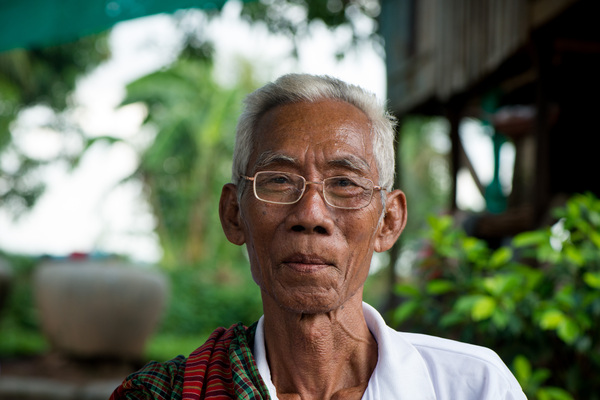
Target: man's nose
311	213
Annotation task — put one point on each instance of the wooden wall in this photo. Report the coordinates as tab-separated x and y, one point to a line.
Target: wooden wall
436	49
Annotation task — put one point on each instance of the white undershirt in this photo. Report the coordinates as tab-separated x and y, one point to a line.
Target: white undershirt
420	367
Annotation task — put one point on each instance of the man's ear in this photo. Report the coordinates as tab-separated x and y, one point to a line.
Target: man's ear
393	222
229	212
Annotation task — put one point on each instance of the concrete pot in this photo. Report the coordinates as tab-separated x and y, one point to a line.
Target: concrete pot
105	309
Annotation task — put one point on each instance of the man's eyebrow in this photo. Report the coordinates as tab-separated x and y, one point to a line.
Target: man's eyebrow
270	158
353	163
350	162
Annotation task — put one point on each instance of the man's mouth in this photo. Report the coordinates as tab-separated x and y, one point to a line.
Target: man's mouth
306	262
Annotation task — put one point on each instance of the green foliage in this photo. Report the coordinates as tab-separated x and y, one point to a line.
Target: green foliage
183	171
48	75
19	326
531	381
17	341
203	298
37	77
293	18
165	346
423	171
189	160
536	303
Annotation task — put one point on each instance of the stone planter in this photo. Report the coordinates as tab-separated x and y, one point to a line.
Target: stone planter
104	309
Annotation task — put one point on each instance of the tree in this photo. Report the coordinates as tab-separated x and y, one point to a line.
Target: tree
31	78
47	76
294	18
189	159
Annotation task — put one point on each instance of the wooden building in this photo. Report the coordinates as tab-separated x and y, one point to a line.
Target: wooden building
530	68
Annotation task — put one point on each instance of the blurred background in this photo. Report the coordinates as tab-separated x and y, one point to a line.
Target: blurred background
117	122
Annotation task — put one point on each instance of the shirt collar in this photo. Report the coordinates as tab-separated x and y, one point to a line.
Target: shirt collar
400	372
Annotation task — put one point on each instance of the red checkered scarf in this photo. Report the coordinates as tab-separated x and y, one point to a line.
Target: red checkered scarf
224	368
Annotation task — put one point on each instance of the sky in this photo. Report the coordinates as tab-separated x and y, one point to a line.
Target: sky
88	210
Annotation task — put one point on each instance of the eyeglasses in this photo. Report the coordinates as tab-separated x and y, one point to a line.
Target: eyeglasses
347	192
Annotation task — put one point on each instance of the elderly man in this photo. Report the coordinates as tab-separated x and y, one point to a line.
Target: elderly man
312	200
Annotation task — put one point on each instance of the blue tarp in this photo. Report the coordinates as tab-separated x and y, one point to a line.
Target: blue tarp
39	23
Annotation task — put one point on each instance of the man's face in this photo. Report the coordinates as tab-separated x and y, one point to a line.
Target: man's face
310	257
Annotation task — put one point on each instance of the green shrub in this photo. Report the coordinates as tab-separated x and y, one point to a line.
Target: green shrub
19	326
204	298
535	302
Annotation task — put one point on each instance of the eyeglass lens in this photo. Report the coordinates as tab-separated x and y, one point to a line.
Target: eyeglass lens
287	188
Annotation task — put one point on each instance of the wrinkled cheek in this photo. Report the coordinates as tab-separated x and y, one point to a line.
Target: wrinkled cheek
255	266
256	275
360	257
254	269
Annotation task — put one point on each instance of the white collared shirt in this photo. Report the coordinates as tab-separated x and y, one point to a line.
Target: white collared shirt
421	367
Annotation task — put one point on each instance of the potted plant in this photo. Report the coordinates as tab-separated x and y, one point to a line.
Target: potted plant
99	308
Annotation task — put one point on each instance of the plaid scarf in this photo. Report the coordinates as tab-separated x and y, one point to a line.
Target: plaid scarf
222	368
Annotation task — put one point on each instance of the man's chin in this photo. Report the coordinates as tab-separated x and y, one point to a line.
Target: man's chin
307	304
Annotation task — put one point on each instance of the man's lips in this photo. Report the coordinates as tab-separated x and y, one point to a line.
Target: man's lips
306	262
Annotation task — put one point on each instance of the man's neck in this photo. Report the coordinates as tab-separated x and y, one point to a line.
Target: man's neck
319	356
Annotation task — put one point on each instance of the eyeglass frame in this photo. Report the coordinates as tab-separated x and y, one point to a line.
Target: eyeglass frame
307	182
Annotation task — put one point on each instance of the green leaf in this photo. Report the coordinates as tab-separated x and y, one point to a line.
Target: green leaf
526	239
565	297
551	319
405	311
439	286
470	244
594	218
465	304
574	255
540	375
522	369
441	223
499	284
407	290
553	393
573	210
452	318
592	279
568	331
500	318
483	308
595	238
500	257
532	276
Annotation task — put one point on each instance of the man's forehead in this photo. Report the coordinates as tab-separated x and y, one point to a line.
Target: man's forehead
303	111
332	133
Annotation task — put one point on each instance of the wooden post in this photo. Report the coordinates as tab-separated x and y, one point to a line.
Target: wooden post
541	130
453	113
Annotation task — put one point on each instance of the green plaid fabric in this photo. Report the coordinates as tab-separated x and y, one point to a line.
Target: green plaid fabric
248	383
160	381
222	368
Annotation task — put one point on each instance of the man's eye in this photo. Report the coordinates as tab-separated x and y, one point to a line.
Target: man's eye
279	179
344	182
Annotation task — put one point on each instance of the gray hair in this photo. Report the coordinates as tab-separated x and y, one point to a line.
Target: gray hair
295	88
